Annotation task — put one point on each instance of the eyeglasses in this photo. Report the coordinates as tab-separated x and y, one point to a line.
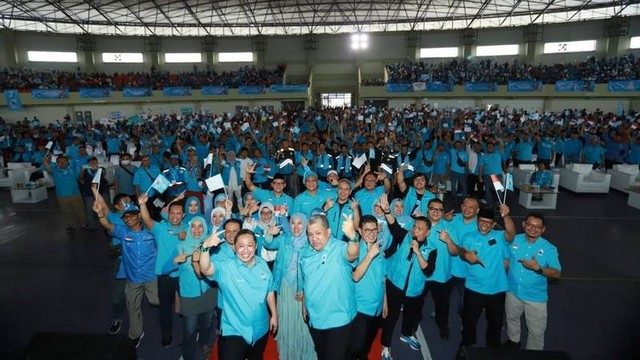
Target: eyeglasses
265	212
370	231
278	183
535	226
435	209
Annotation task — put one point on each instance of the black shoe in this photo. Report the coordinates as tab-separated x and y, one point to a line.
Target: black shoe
511	345
166	341
462	353
115	326
444	333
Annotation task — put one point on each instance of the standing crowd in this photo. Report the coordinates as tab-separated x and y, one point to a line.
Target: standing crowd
330	224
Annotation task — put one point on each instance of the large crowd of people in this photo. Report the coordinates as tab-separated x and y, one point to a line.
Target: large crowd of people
460	71
317	204
27	79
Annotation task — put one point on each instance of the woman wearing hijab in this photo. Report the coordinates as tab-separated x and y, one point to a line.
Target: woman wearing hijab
294	340
192	208
197	298
260	226
217	219
398	210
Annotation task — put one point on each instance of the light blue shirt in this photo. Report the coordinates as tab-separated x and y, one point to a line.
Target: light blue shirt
282	204
66	180
370	288
491	278
526	284
138	253
326	274
461	228
167	240
367	198
442	271
305	202
244	293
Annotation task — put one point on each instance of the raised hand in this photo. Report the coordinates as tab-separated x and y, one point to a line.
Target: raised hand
384	202
273	230
251	168
444	236
373	250
504	210
142	199
353	204
213	239
182	235
348	228
415	246
472	258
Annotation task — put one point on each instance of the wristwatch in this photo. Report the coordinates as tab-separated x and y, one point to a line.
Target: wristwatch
539	271
355	239
203	248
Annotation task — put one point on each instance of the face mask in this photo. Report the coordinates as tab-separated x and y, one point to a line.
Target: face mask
126	162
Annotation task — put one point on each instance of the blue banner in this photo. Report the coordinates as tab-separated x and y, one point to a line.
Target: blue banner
439	87
95	93
398	87
176	91
288	88
49	94
13	100
623	85
136	92
575	86
524	86
480	86
214	90
251	89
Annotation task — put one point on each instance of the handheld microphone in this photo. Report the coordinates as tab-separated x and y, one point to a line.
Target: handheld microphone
410	256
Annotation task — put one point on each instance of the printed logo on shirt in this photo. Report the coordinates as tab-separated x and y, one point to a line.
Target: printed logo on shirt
128	238
263	276
541	252
324	258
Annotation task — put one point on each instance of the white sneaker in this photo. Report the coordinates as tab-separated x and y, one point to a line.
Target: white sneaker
386	354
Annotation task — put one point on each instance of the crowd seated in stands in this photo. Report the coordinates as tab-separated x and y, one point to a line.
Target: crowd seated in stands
27	79
459	71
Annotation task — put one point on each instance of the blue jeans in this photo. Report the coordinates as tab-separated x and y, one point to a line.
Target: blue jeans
192	325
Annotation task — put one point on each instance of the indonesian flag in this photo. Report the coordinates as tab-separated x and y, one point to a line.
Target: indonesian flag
496	183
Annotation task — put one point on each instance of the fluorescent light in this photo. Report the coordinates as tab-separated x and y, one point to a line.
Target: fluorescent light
497	50
130	58
235	57
359	41
52	56
634	43
182	58
569	46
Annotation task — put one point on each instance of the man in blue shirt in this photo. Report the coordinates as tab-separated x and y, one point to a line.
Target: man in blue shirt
491	163
533	260
139	258
282	203
487	260
167	234
326	270
312	198
369	191
369	277
66	178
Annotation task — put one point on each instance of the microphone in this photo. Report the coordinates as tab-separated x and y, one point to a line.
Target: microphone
410	256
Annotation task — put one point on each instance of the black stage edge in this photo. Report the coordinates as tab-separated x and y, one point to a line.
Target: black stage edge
479	353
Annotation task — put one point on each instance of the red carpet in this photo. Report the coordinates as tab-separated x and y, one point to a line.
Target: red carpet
271	353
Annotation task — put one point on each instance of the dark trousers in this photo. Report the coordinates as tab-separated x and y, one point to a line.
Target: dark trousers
558	160
441	294
472	182
235	348
493	305
333	343
411	313
365	328
167	287
457	285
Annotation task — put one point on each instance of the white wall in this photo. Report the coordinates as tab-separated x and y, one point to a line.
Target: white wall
47	114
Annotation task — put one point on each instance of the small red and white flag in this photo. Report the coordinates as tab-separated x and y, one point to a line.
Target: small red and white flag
496	183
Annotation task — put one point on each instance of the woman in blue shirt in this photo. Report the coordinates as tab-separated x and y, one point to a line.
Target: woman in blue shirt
294	340
197	298
247	289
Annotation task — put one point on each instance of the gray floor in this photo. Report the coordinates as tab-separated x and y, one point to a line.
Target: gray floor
52	283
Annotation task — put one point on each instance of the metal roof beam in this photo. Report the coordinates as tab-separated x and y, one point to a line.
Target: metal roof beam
63	10
165	16
195	17
479	13
137	17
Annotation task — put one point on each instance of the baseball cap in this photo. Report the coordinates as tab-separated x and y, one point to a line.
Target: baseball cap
130	208
332	172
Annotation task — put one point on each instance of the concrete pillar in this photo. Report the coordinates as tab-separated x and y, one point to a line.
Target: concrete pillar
10	49
90	61
613	46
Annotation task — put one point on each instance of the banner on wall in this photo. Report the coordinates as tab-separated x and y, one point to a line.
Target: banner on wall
176	91
419	86
575	86
480	86
439	86
49	94
623	85
397	87
524	86
214	90
136	92
288	88
95	93
13	100
251	89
